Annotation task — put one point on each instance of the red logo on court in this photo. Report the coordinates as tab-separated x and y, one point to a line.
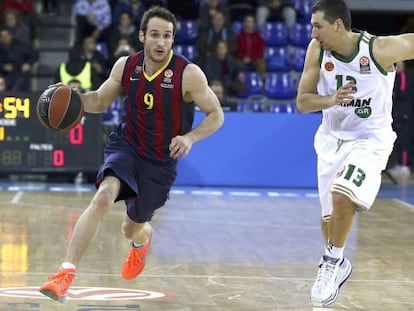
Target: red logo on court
87	293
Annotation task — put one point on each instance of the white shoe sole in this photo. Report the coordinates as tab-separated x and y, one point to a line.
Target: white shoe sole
335	294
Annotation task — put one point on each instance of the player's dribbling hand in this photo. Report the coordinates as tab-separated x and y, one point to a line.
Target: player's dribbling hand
55	84
345	93
180	146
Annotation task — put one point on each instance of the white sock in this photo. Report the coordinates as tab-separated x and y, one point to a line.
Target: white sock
333	251
68	265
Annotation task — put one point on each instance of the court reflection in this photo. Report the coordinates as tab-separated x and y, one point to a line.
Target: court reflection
214	252
13	252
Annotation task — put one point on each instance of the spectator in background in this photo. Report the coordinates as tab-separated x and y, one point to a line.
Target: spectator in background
76	85
184	9
223	67
78	68
250	47
3	85
123	48
99	63
50	6
93	18
402	113
25	7
240	8
125	29
19	30
207	10
219	31
219	89
135	7
275	10
16	61
150	3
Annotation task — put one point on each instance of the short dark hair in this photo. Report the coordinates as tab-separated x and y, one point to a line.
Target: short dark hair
333	10
160	12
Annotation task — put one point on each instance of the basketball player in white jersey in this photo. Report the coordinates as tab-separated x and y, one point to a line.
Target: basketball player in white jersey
349	76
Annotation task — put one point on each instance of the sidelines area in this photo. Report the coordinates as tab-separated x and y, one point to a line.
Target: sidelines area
215	248
402	193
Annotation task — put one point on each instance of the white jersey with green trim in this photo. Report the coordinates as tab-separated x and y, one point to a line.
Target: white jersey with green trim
369	113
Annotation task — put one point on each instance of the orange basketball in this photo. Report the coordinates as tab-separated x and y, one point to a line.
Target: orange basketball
59	108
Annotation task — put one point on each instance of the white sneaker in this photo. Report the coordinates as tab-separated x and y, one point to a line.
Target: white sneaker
332	274
398	170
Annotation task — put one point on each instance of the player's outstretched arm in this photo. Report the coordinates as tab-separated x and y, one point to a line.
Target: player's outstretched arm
98	101
389	50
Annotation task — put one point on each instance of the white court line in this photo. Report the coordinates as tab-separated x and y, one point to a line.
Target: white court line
207	192
70	189
283	194
404	203
16	197
175	191
312	195
245	193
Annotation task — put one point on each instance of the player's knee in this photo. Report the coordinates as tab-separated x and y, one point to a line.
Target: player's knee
342	203
102	200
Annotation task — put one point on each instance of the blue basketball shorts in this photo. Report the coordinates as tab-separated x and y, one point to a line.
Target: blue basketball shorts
145	184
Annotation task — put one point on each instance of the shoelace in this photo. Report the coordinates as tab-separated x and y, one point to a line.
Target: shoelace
61	276
133	258
326	272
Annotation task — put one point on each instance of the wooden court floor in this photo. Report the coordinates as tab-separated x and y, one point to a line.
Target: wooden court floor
213	249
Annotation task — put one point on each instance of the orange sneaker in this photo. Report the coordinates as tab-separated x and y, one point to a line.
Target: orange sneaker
58	284
135	262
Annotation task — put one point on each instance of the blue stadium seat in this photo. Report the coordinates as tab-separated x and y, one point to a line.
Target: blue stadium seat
275	34
243	106
298	59
187	31
254	85
300	34
303	9
279	107
258	106
279	85
277	59
252	104
187	50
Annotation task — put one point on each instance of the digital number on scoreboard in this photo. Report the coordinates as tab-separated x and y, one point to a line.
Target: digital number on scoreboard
27	146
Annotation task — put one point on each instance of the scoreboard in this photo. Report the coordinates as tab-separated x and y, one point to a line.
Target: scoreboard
28	147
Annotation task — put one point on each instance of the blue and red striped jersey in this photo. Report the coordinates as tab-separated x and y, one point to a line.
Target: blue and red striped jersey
156	111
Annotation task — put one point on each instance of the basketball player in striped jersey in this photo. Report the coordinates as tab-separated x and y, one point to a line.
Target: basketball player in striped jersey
140	158
349	76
